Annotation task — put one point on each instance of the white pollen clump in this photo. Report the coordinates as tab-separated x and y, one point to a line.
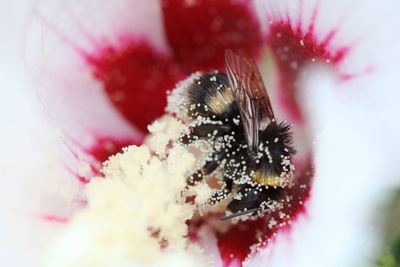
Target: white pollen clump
176	100
156	127
179	162
136	214
202	192
158	143
163	131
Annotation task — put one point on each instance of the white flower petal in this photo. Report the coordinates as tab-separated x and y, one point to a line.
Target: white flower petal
59	36
36	193
353	120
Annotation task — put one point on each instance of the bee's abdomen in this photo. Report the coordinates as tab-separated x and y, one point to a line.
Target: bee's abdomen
209	95
275	156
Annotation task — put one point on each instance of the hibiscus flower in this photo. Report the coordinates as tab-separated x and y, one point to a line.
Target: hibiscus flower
101	69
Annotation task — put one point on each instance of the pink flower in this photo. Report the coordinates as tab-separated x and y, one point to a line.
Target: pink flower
101	69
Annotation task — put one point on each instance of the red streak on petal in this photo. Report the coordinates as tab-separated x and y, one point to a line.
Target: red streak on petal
82	180
53	218
293	49
135	77
63	37
200	31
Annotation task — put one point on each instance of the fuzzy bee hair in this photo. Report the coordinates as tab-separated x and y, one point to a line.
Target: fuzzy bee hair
249	148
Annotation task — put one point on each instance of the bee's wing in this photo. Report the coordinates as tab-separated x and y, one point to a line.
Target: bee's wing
250	95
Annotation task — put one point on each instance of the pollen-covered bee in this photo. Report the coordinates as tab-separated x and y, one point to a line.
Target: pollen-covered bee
250	149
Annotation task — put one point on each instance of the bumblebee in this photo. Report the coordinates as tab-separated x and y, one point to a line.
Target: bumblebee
250	149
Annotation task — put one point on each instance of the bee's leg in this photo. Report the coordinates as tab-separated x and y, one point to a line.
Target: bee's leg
253	200
240	213
250	197
208	168
206	130
222	193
